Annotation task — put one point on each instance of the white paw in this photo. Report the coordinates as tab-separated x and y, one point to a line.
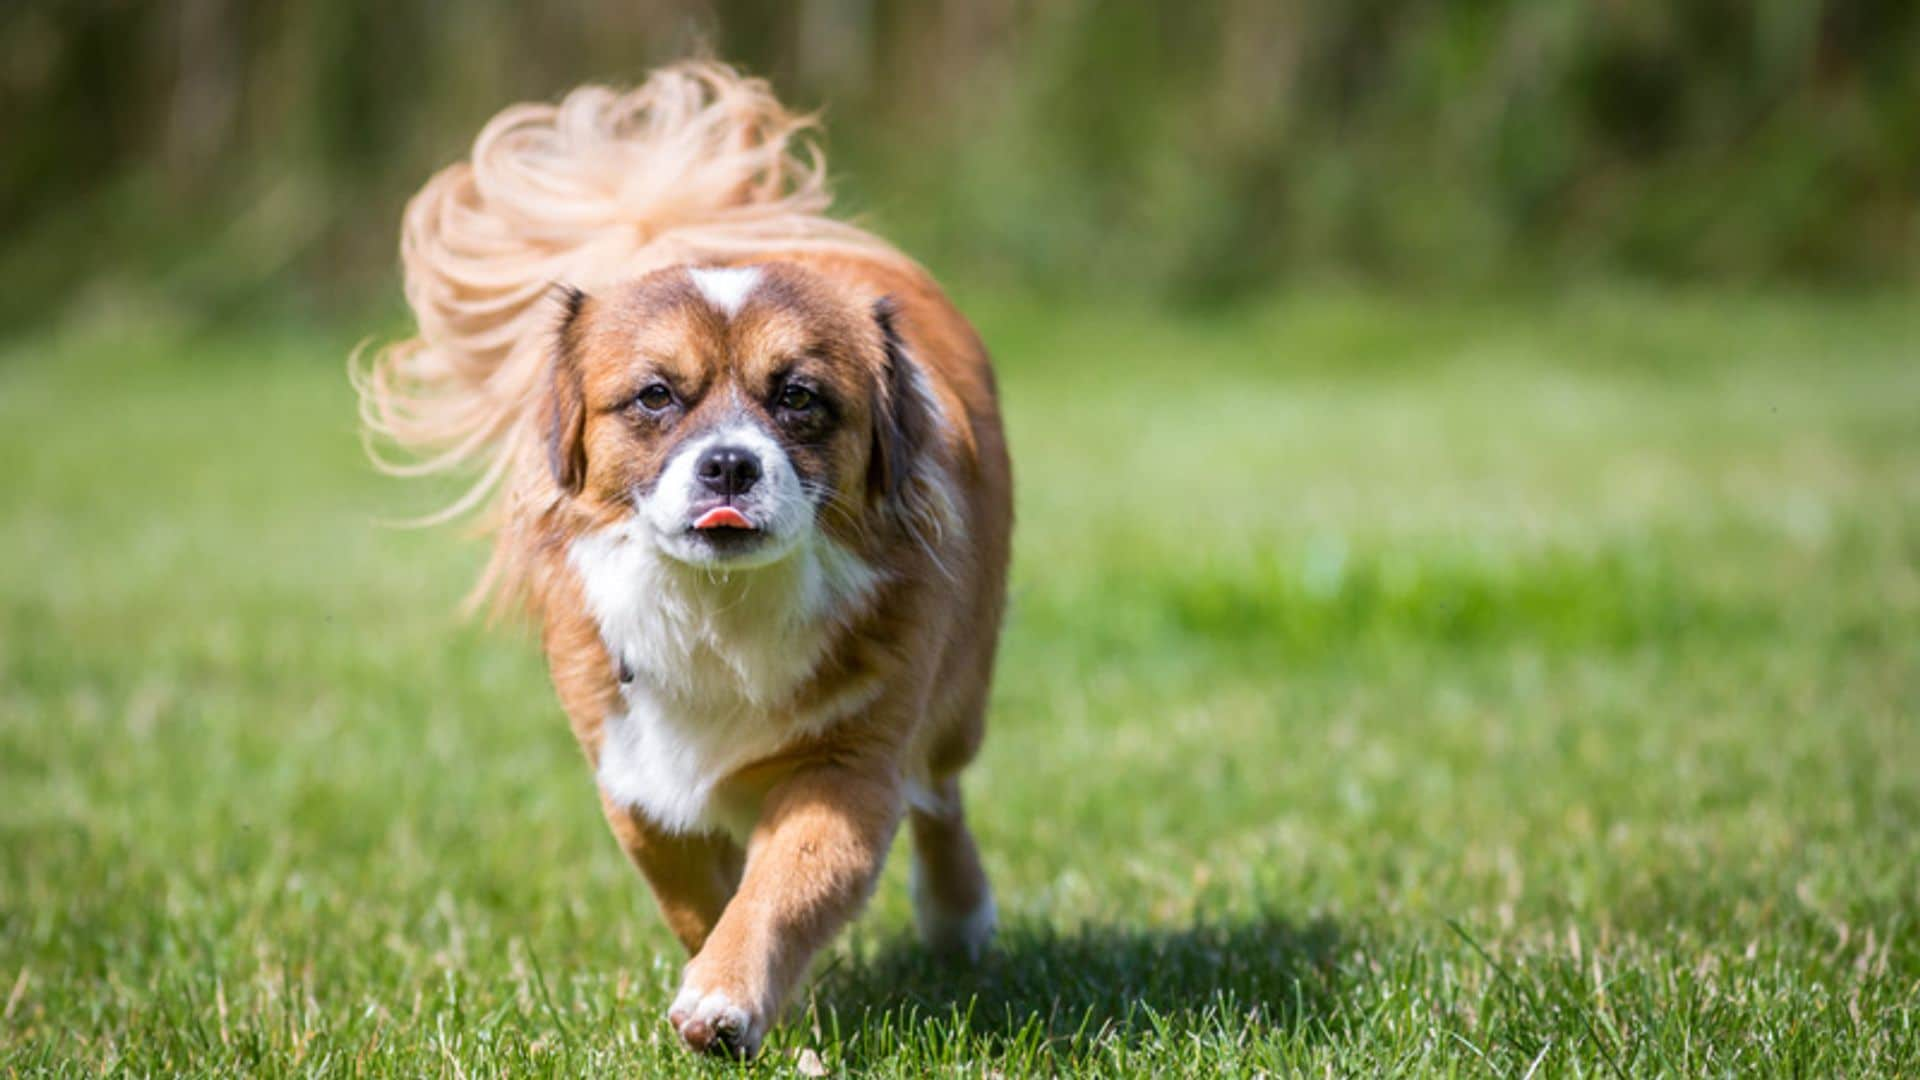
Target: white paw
964	934
710	1022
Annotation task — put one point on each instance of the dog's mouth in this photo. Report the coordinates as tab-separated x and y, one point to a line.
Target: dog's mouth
730	531
721	519
726	531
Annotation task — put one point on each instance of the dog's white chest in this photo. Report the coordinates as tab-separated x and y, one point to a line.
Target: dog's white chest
664	760
715	664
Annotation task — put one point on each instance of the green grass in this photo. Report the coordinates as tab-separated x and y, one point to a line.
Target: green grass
1389	687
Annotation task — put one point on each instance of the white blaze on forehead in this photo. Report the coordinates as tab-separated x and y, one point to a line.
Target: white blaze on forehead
726	289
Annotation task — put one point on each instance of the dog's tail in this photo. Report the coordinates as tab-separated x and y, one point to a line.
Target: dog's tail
699	164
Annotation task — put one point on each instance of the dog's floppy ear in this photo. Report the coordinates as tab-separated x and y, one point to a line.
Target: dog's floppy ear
566	401
901	418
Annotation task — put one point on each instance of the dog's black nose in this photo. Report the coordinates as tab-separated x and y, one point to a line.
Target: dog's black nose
727	470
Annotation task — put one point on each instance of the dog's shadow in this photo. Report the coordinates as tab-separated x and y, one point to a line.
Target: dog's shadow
1098	982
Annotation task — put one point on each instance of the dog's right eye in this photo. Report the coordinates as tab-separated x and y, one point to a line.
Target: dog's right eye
655	397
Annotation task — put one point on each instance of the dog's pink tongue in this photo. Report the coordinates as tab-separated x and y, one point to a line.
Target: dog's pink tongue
723	517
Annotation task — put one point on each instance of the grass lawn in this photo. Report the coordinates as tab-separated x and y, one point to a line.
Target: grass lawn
1389	687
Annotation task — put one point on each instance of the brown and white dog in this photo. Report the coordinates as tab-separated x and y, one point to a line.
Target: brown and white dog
745	467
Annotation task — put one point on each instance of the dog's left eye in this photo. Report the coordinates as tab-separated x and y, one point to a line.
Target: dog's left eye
796	398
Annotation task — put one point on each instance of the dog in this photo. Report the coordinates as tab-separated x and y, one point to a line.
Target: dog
743	465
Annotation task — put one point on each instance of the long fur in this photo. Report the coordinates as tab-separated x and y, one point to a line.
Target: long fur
699	165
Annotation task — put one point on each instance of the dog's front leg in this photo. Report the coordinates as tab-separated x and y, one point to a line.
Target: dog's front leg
692	876
811	863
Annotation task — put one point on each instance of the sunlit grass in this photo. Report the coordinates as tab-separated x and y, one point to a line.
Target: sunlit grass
1410	686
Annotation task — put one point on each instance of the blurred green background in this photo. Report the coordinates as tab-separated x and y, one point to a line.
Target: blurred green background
223	154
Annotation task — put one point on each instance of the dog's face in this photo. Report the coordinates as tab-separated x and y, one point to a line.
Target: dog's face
733	412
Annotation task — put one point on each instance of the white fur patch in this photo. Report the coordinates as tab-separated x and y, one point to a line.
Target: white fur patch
922	797
716	655
921	387
957	933
934	511
777	503
720	1015
726	289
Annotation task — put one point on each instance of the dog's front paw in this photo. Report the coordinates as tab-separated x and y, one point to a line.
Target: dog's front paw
712	1022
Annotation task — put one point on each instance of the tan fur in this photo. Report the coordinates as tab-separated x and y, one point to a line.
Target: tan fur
490	379
697	166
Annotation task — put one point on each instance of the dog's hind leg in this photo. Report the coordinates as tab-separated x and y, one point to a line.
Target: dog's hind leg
952	900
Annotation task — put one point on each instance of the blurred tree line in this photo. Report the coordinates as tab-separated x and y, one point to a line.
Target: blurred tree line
216	155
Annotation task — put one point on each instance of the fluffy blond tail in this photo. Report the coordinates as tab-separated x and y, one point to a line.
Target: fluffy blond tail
697	165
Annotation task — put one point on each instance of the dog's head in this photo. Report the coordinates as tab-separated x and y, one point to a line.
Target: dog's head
734	412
